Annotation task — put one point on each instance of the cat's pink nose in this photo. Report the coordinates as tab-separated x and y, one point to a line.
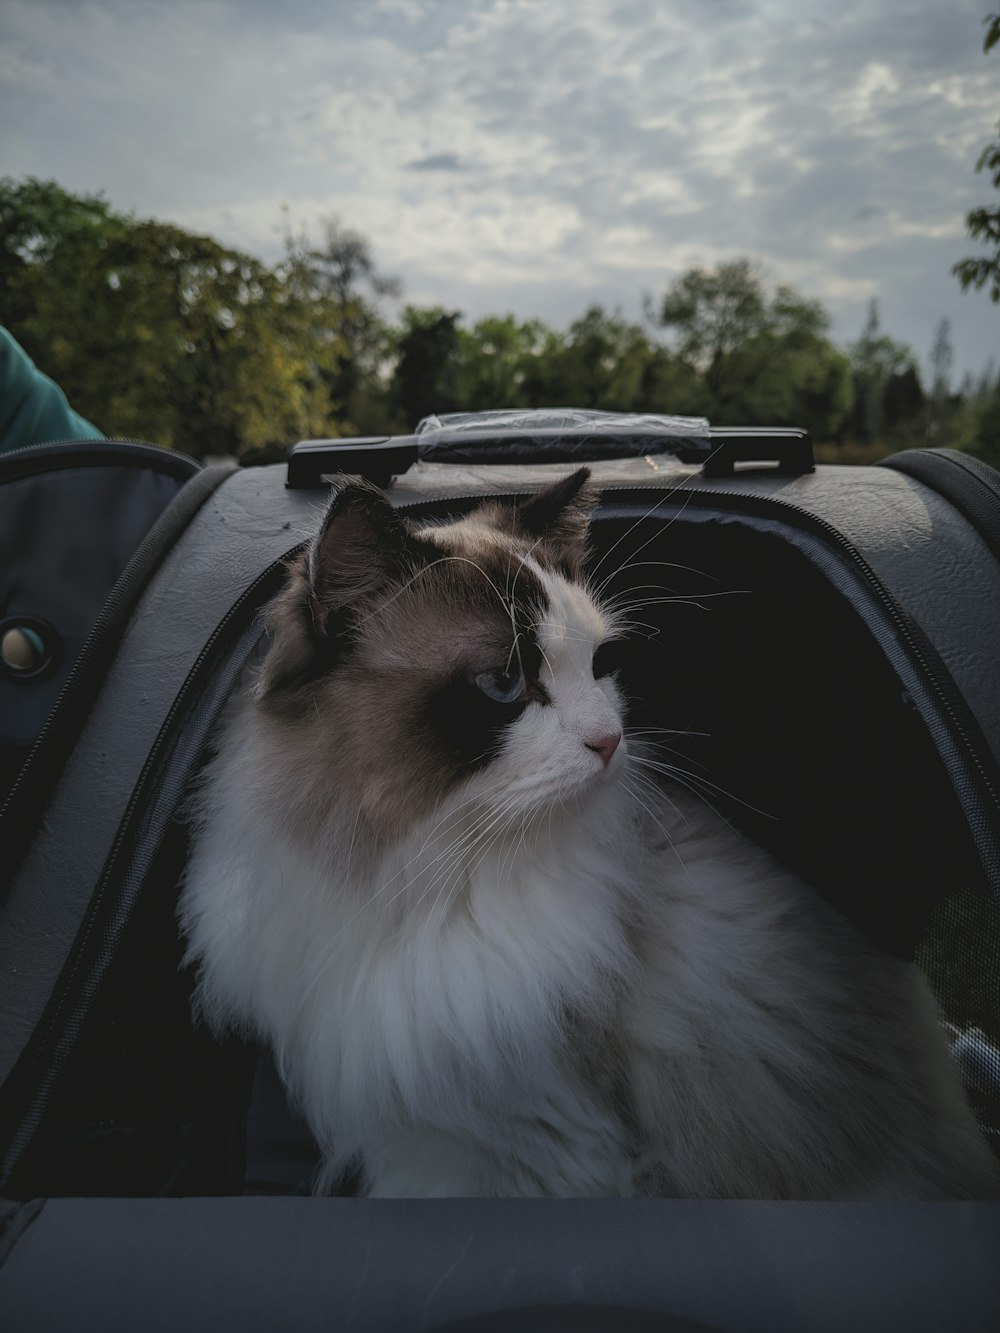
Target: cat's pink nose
605	746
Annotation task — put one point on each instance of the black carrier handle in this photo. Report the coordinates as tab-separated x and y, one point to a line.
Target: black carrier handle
382	457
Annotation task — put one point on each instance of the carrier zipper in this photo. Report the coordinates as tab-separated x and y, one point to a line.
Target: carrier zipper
49	1041
148	449
971	485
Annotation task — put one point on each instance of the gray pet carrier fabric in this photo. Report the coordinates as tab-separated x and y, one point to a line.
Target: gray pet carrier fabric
71	516
384	1266
246	524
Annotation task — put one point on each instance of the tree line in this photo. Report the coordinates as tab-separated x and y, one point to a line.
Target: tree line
161	334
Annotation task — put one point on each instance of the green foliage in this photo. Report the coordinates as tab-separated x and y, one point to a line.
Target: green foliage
983	224
942	362
338	294
760	357
494	359
977	423
888	398
601	361
157	333
427	364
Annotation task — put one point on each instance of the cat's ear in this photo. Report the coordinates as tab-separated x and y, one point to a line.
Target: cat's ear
361	543
558	519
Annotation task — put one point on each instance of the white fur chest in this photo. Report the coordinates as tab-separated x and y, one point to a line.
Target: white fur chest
425	999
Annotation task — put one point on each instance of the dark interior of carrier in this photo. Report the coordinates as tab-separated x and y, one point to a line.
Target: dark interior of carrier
788	720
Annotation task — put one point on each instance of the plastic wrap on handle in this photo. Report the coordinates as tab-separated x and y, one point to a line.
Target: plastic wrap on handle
555	435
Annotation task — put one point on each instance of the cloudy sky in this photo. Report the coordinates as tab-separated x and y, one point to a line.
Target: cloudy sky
532	156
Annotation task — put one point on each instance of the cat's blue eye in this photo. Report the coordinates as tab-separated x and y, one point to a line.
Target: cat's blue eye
503	687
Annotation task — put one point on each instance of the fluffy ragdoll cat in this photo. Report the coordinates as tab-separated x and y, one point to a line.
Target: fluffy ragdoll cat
485	967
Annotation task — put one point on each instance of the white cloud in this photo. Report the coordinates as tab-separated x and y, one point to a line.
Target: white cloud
603	147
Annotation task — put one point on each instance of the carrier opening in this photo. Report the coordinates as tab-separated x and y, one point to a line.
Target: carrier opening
783	713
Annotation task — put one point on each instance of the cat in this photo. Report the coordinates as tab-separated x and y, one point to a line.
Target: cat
486	962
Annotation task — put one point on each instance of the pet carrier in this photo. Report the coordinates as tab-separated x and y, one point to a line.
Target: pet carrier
843	697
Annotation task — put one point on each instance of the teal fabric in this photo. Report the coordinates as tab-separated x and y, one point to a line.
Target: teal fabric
33	409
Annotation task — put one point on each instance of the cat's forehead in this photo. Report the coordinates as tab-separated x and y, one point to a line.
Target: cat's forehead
563	612
483	563
473	536
467	602
570	628
571	612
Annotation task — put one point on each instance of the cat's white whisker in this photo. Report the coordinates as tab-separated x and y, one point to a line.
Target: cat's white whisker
459	846
383	606
514	850
637	796
465	846
665	499
456	848
628	627
598	592
655	790
687	781
571	635
522	563
665	731
661	748
444	821
466	866
514	648
672	771
680	600
378	897
350	846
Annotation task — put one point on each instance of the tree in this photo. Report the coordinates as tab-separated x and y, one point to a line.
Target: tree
983	224
155	332
886	384
714	314
942	362
940	405
344	291
976	427
496	357
762	357
601	362
426	375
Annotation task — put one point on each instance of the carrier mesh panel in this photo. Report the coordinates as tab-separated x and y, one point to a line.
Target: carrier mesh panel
960	956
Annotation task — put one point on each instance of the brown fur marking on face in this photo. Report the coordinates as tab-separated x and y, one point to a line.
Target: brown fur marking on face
371	726
368	692
554	523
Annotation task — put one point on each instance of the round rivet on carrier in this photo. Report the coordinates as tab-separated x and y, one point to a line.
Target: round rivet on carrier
26	648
